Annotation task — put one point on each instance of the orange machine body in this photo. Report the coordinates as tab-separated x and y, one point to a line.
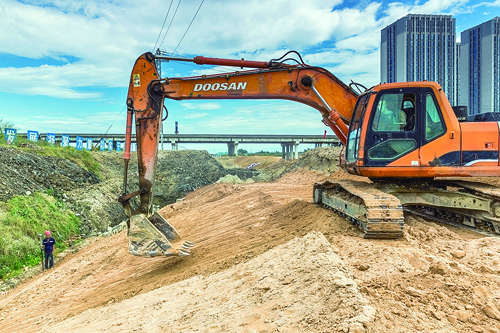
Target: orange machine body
436	145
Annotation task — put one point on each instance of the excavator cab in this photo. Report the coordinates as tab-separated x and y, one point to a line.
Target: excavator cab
391	128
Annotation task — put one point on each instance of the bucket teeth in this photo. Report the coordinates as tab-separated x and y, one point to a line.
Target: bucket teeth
155	236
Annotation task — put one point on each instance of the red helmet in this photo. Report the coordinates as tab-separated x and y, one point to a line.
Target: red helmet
47	233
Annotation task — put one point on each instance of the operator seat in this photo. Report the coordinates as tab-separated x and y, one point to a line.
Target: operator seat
410	118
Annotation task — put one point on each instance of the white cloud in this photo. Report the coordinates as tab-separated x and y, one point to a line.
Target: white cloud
195	115
105	37
59	81
209	106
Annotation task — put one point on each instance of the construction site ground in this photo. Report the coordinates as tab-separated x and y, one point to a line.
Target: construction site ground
267	259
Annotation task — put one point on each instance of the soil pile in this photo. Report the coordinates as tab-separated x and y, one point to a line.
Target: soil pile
324	159
94	199
298	286
183	171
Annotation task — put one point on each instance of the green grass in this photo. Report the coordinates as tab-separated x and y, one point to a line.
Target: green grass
22	220
81	157
265	153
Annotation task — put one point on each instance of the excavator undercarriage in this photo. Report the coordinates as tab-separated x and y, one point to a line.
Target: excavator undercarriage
378	208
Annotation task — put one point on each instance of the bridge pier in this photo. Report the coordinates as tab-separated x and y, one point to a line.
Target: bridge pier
232	148
175	145
290	150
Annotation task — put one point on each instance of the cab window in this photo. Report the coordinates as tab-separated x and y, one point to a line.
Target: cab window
395	113
433	124
391	149
355	127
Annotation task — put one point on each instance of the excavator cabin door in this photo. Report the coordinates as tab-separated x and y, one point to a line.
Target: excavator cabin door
394	129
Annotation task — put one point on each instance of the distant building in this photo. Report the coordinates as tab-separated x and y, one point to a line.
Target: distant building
458	79
421	47
480	67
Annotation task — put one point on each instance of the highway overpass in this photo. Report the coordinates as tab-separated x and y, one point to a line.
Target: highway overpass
289	143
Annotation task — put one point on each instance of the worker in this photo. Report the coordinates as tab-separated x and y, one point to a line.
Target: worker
394	112
48	246
389	116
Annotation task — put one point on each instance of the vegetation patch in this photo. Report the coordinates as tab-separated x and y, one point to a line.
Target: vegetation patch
81	157
22	219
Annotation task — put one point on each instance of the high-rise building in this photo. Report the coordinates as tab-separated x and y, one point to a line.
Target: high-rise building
421	47
480	67
457	66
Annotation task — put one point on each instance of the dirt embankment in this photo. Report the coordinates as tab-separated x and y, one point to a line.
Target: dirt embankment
26	173
94	198
268	260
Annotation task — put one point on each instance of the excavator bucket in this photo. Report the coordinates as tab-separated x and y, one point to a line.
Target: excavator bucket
155	237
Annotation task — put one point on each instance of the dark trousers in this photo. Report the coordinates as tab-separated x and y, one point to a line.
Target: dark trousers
49	260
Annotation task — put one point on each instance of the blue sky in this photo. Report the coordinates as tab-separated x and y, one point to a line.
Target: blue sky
65	64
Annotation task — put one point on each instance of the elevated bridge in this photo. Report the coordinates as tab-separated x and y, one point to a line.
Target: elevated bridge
289	143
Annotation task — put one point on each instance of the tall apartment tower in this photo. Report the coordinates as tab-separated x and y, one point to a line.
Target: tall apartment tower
480	67
421	47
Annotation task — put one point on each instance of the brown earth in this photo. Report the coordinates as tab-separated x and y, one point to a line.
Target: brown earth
268	260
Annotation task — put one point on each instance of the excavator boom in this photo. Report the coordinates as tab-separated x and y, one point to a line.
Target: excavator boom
313	86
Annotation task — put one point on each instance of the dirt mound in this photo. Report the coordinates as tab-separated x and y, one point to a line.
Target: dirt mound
270	168
431	280
25	173
183	171
324	159
261	295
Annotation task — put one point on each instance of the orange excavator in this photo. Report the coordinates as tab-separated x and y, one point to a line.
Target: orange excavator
405	137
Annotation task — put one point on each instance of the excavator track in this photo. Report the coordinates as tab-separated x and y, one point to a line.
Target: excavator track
469	205
377	209
443	218
378	214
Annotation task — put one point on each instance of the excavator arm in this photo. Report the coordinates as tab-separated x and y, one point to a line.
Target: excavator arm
149	233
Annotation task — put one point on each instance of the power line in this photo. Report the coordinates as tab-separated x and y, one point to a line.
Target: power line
165	20
170	23
188	27
119	113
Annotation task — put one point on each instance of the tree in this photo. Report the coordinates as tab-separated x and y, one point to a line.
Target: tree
5	124
242	152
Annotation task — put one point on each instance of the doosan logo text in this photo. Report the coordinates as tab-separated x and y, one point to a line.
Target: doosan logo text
220	86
